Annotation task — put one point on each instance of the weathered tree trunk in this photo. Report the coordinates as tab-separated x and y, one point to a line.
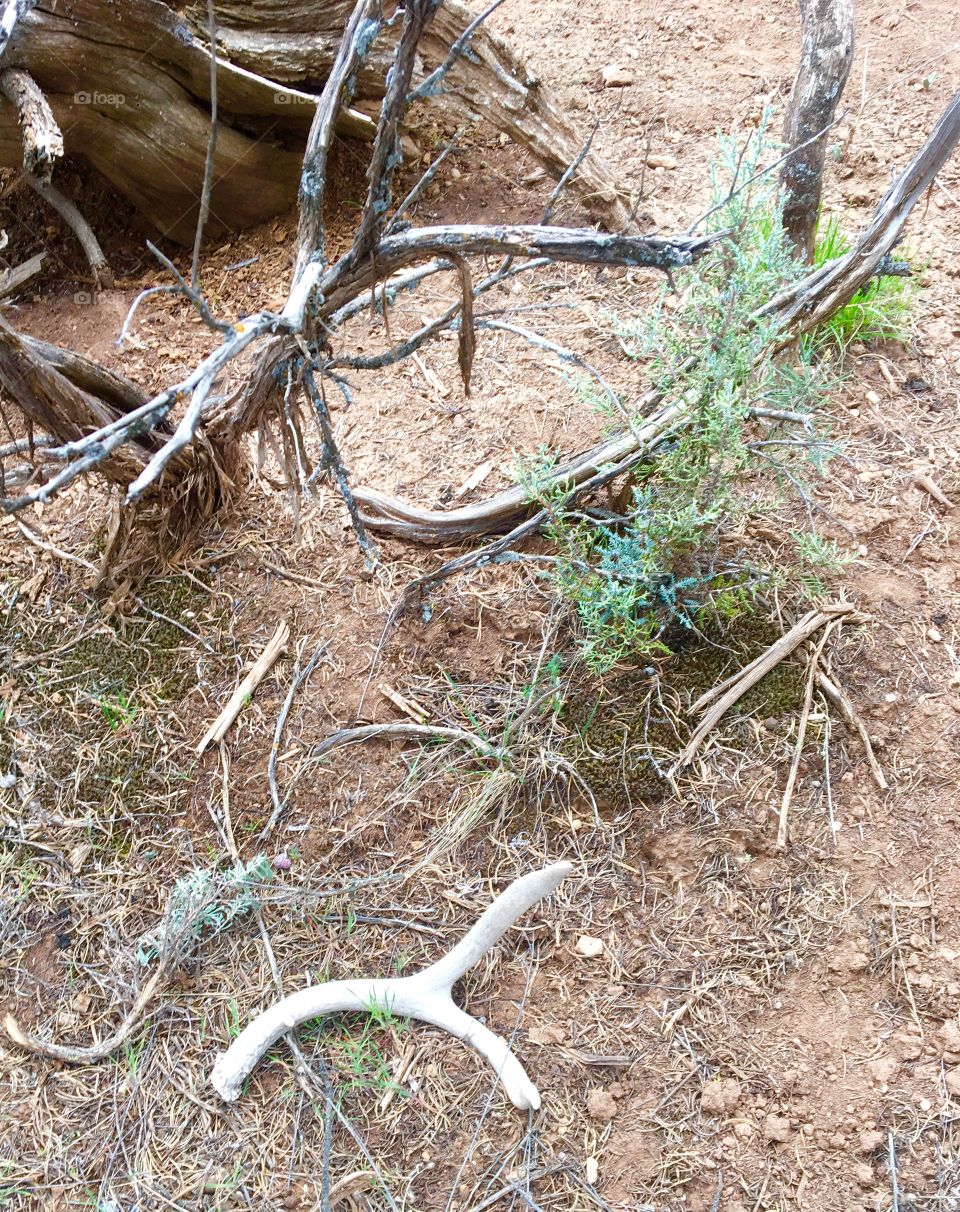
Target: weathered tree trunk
129	85
825	60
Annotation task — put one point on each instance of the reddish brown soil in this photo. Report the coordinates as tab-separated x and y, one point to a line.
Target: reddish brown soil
760	1028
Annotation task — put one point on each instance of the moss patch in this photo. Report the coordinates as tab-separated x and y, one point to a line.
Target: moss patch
624	732
92	695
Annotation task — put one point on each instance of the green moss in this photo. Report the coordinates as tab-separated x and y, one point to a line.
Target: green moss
623	737
90	712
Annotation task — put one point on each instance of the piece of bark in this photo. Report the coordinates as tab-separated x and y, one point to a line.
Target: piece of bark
13	279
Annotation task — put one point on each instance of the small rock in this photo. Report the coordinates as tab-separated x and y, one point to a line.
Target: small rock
546	1035
776	1128
601	1105
282	862
869	1141
591	1171
616	76
884	1069
953	1082
720	1096
589	946
661	160
950	1037
848	959
907	1047
863	1174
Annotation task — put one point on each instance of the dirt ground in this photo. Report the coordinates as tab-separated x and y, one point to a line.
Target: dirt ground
756	1030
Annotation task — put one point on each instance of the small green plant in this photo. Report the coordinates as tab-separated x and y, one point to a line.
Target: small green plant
117	709
635	583
817	556
205	902
876	313
358	1055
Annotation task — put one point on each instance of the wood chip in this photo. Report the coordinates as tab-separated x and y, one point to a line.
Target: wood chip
475	480
931	488
407	706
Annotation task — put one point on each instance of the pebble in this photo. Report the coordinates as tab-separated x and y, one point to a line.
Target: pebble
661	160
589	946
601	1105
616	76
869	1141
776	1128
591	1171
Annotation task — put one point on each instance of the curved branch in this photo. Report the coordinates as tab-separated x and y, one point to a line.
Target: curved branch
426	996
74	1054
578	245
401	730
78	225
394	516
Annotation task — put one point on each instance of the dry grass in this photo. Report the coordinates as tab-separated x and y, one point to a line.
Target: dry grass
382	882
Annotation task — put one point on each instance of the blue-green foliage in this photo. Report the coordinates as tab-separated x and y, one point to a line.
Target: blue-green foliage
632	585
205	902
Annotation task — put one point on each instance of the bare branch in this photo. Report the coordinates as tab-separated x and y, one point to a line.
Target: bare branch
42	140
358	36
211	148
11	14
102	272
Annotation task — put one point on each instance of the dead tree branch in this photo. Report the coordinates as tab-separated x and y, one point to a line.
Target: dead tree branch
816	297
102	273
11	14
42	139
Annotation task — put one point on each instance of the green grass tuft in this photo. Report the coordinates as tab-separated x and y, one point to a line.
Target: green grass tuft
879	312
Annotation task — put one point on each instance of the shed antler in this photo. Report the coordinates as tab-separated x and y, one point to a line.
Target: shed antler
425	996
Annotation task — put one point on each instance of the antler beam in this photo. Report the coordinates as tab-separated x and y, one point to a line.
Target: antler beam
425	996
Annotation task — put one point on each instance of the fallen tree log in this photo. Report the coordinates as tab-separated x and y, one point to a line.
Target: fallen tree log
130	87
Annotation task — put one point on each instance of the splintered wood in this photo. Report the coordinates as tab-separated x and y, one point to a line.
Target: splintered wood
241	696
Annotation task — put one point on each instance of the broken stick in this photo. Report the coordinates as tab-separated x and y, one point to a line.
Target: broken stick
264	663
736	686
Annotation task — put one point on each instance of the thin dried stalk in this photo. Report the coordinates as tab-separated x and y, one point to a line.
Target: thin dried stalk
241	696
735	687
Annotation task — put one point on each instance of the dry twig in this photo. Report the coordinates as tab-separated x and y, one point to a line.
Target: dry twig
736	686
241	696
